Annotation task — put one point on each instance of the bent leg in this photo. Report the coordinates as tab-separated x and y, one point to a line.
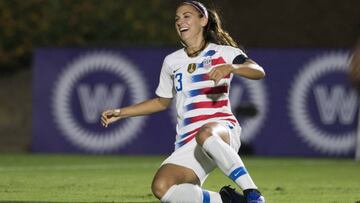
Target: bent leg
169	175
173	183
214	138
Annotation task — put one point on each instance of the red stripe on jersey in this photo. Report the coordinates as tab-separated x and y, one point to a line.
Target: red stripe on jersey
233	121
189	133
217	61
209	90
188	139
195	119
215	90
206	104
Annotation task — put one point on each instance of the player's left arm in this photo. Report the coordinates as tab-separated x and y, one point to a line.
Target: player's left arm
246	68
249	69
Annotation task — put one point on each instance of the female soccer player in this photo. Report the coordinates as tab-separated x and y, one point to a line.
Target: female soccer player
208	134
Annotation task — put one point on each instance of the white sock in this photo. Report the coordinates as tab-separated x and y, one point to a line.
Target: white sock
190	193
228	161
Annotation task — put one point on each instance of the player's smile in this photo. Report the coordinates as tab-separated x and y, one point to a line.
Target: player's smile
183	29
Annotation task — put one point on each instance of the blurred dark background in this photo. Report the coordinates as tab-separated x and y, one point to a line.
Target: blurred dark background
26	25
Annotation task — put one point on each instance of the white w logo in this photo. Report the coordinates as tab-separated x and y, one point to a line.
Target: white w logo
336	103
93	103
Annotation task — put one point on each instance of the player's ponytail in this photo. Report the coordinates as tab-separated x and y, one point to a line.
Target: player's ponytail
214	32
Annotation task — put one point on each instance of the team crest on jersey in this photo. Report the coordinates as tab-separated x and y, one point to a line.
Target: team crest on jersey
207	62
191	67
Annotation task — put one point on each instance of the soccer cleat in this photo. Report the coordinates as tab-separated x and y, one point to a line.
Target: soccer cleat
254	196
229	195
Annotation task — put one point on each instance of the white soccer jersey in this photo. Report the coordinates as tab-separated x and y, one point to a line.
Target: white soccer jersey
198	100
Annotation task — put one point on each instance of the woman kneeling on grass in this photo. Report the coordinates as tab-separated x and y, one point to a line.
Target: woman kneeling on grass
208	134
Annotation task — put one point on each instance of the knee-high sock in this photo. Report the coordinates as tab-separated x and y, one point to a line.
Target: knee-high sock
228	161
190	193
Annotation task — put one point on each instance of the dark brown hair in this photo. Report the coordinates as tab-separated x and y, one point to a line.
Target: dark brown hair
214	32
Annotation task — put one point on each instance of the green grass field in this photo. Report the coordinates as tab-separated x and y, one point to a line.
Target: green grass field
84	178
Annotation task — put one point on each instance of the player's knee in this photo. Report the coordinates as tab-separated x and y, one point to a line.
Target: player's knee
159	187
204	132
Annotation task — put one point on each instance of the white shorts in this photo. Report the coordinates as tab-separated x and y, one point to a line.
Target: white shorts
192	155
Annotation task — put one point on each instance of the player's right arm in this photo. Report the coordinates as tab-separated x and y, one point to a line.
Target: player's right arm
141	109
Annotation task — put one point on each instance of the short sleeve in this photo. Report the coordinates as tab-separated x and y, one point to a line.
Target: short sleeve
235	55
165	87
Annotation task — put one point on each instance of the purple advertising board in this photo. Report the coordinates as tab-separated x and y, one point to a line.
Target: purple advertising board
304	107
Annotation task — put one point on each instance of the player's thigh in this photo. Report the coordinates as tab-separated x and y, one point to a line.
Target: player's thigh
169	175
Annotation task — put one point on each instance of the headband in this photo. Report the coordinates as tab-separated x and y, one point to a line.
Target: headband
199	6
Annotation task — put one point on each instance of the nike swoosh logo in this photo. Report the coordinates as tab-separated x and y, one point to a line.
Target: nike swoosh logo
174	71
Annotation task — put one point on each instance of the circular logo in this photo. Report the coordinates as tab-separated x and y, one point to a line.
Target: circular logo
106	140
255	95
318	138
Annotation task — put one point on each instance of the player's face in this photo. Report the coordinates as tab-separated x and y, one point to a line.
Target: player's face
189	24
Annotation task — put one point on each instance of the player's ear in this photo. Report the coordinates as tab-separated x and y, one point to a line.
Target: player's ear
204	21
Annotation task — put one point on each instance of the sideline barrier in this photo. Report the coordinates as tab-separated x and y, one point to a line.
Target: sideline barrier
304	107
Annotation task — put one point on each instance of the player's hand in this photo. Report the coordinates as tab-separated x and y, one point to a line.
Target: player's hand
110	116
220	72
